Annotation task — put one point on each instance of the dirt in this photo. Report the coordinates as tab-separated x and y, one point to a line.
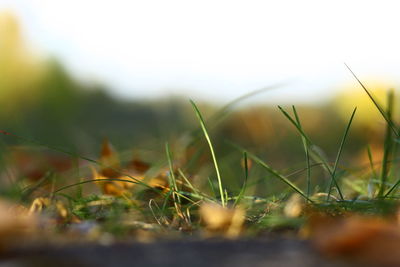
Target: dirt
253	252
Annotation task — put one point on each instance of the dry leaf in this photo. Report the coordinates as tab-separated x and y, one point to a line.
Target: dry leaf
39	204
368	240
114	188
134	172
55	210
16	223
109	160
219	220
34	165
139	166
294	206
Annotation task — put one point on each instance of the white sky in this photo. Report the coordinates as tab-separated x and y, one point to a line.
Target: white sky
217	49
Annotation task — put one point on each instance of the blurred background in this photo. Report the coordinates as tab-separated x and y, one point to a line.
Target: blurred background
75	72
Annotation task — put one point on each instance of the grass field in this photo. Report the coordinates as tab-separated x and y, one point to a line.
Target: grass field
200	186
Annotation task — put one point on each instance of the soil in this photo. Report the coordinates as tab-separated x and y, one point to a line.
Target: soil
252	252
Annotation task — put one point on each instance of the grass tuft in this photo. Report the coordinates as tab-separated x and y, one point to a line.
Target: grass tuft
214	158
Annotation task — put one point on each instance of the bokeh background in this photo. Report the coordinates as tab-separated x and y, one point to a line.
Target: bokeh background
75	72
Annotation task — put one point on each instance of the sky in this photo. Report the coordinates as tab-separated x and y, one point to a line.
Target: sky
217	50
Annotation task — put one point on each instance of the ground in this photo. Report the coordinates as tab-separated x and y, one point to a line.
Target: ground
216	252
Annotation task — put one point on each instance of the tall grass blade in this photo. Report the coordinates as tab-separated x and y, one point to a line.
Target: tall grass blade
377	105
392	189
371	163
246	177
313	153
172	178
188	183
388	146
221	113
371	187
203	127
211	184
281	177
342	142
306	151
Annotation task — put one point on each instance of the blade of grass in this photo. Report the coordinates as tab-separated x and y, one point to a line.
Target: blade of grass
98	180
176	198
203	127
221	113
171	171
26	192
392	189
279	176
371	189
371	162
306	151
196	193
188	183
212	186
388	145
342	142
377	105
313	153
241	149
197	196
246	176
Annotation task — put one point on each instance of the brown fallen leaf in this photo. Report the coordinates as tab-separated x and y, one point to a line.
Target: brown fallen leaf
33	165
366	240
109	160
138	166
55	210
294	206
223	221
39	204
116	187
16	224
134	171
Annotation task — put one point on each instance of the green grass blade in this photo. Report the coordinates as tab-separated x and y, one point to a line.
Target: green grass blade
392	189
26	192
371	163
306	151
98	180
212	187
377	105
246	176
279	176
188	183
221	113
313	153
371	189
342	142
303	134
388	146
203	127
171	173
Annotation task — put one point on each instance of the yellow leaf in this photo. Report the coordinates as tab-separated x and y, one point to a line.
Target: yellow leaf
220	220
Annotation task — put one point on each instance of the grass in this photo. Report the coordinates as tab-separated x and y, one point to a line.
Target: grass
203	127
172	197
